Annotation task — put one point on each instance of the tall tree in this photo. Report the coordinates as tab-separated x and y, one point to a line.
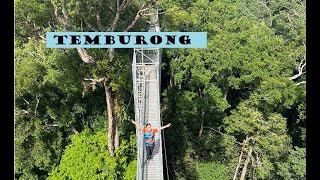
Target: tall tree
70	13
48	106
263	139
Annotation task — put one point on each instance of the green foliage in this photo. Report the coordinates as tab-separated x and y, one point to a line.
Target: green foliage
87	157
48	104
31	18
302	120
287	18
131	171
268	133
126	157
294	167
29	71
37	148
241	81
213	170
275	94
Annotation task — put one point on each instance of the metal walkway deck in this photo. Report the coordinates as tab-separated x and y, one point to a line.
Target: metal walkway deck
146	85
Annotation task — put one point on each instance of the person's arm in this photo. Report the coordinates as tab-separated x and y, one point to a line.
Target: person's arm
163	127
137	125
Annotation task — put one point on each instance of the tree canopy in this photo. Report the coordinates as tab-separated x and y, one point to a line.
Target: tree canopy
239	105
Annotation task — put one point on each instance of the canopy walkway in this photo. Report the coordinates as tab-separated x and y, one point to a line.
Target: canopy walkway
146	84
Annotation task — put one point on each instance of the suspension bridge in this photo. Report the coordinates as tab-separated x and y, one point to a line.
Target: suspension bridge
146	72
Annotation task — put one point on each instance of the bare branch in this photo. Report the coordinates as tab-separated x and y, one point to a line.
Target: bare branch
25	111
214	130
54	125
85	56
68	27
43	39
94	81
26	101
51	125
116	18
91	84
50	25
112	9
99	22
296	76
64	11
302	82
114	22
88	23
37	104
118	4
265	5
98	17
238	165
222	134
56	13
289	18
138	15
295	13
301	66
124	5
81	24
120	9
64	19
37	29
151	14
74	130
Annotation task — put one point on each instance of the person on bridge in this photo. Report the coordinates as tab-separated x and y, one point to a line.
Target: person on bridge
149	136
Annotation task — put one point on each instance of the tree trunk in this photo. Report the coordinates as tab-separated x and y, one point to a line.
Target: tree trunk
225	91
203	111
246	162
237	168
74	130
111	124
116	139
111	54
116	111
172	83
